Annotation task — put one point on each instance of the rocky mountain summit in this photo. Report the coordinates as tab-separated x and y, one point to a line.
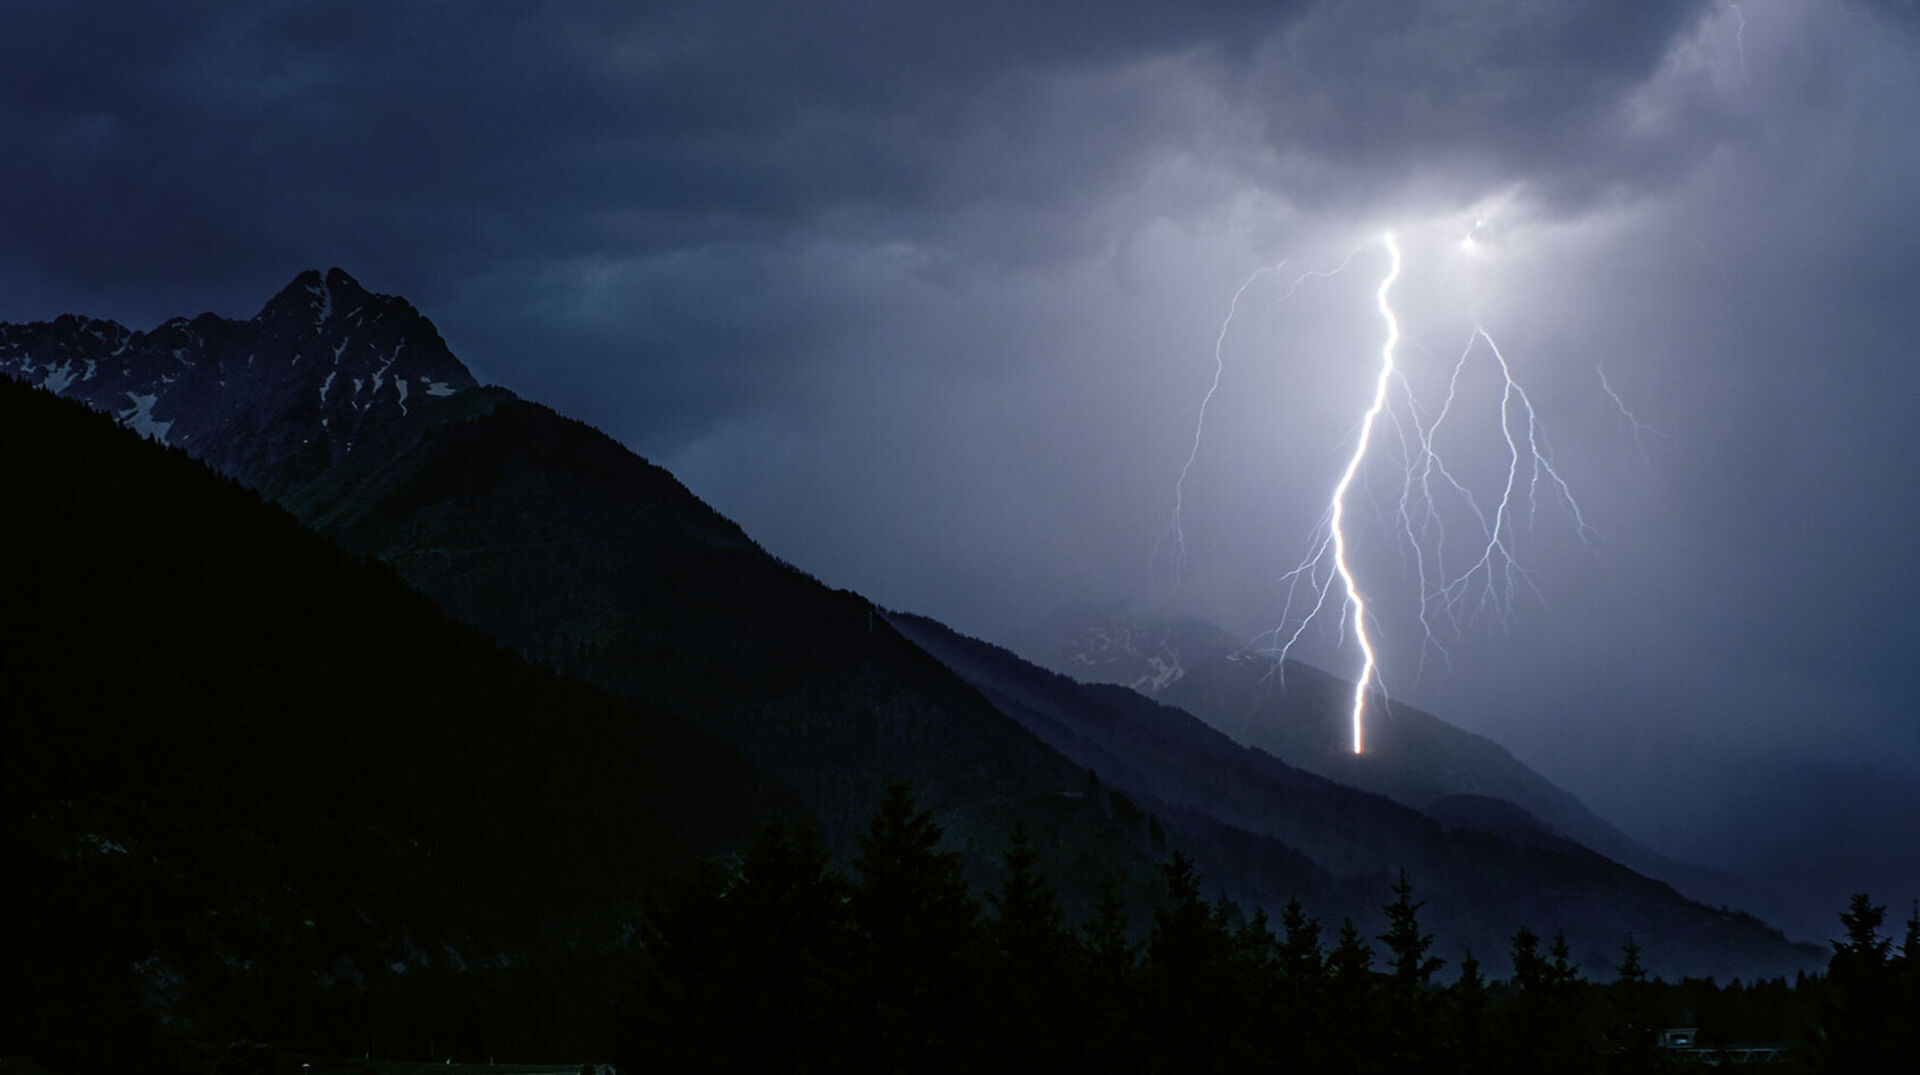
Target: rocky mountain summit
271	401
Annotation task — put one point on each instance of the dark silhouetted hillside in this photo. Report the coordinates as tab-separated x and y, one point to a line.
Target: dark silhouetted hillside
256	787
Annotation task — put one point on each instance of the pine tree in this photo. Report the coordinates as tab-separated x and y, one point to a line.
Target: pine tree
1910	943
786	911
1185	940
1029	963
1906	974
1632	1039
1106	1027
1569	1048
1529	970
1413	969
1301	959
917	926
1864	945
1028	925
752	962
1257	990
1563	975
1254	948
1111	956
1188	973
1410	1022
1302	970
1471	1042
1630	972
1351	964
1352	1019
1528	1026
1858	1026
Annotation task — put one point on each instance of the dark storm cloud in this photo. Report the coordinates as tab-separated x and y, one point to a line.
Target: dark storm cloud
687	118
189	154
1375	95
223	144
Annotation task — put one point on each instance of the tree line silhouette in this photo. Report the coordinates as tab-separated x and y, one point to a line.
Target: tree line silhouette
779	961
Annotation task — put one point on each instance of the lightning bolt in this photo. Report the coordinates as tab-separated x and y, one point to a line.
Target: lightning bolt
1354	609
1498	573
1451	591
1336	519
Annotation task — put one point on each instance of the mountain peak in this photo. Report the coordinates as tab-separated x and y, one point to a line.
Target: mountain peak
270	401
314	298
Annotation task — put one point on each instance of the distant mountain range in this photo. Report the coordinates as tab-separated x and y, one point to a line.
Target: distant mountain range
1483	860
346	408
1299	714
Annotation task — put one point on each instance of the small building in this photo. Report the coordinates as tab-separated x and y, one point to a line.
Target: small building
1679	1037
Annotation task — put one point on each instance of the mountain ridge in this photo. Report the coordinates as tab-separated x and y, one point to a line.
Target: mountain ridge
1299	713
1147	748
343	360
566	546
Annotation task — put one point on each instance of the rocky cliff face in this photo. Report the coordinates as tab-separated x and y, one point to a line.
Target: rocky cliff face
271	401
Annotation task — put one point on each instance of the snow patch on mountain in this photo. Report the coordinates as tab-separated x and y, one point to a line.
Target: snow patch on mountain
139	417
58	378
260	392
1114	644
324	310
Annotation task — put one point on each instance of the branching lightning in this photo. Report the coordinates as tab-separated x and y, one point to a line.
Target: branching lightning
1640	429
1176	531
1453	590
1489	580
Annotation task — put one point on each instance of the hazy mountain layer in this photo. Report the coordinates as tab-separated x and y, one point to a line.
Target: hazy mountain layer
1491	866
1300	714
1303	715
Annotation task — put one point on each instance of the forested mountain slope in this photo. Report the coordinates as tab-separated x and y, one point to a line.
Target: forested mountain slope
256	787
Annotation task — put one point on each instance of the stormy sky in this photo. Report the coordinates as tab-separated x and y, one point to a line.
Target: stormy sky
927	296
